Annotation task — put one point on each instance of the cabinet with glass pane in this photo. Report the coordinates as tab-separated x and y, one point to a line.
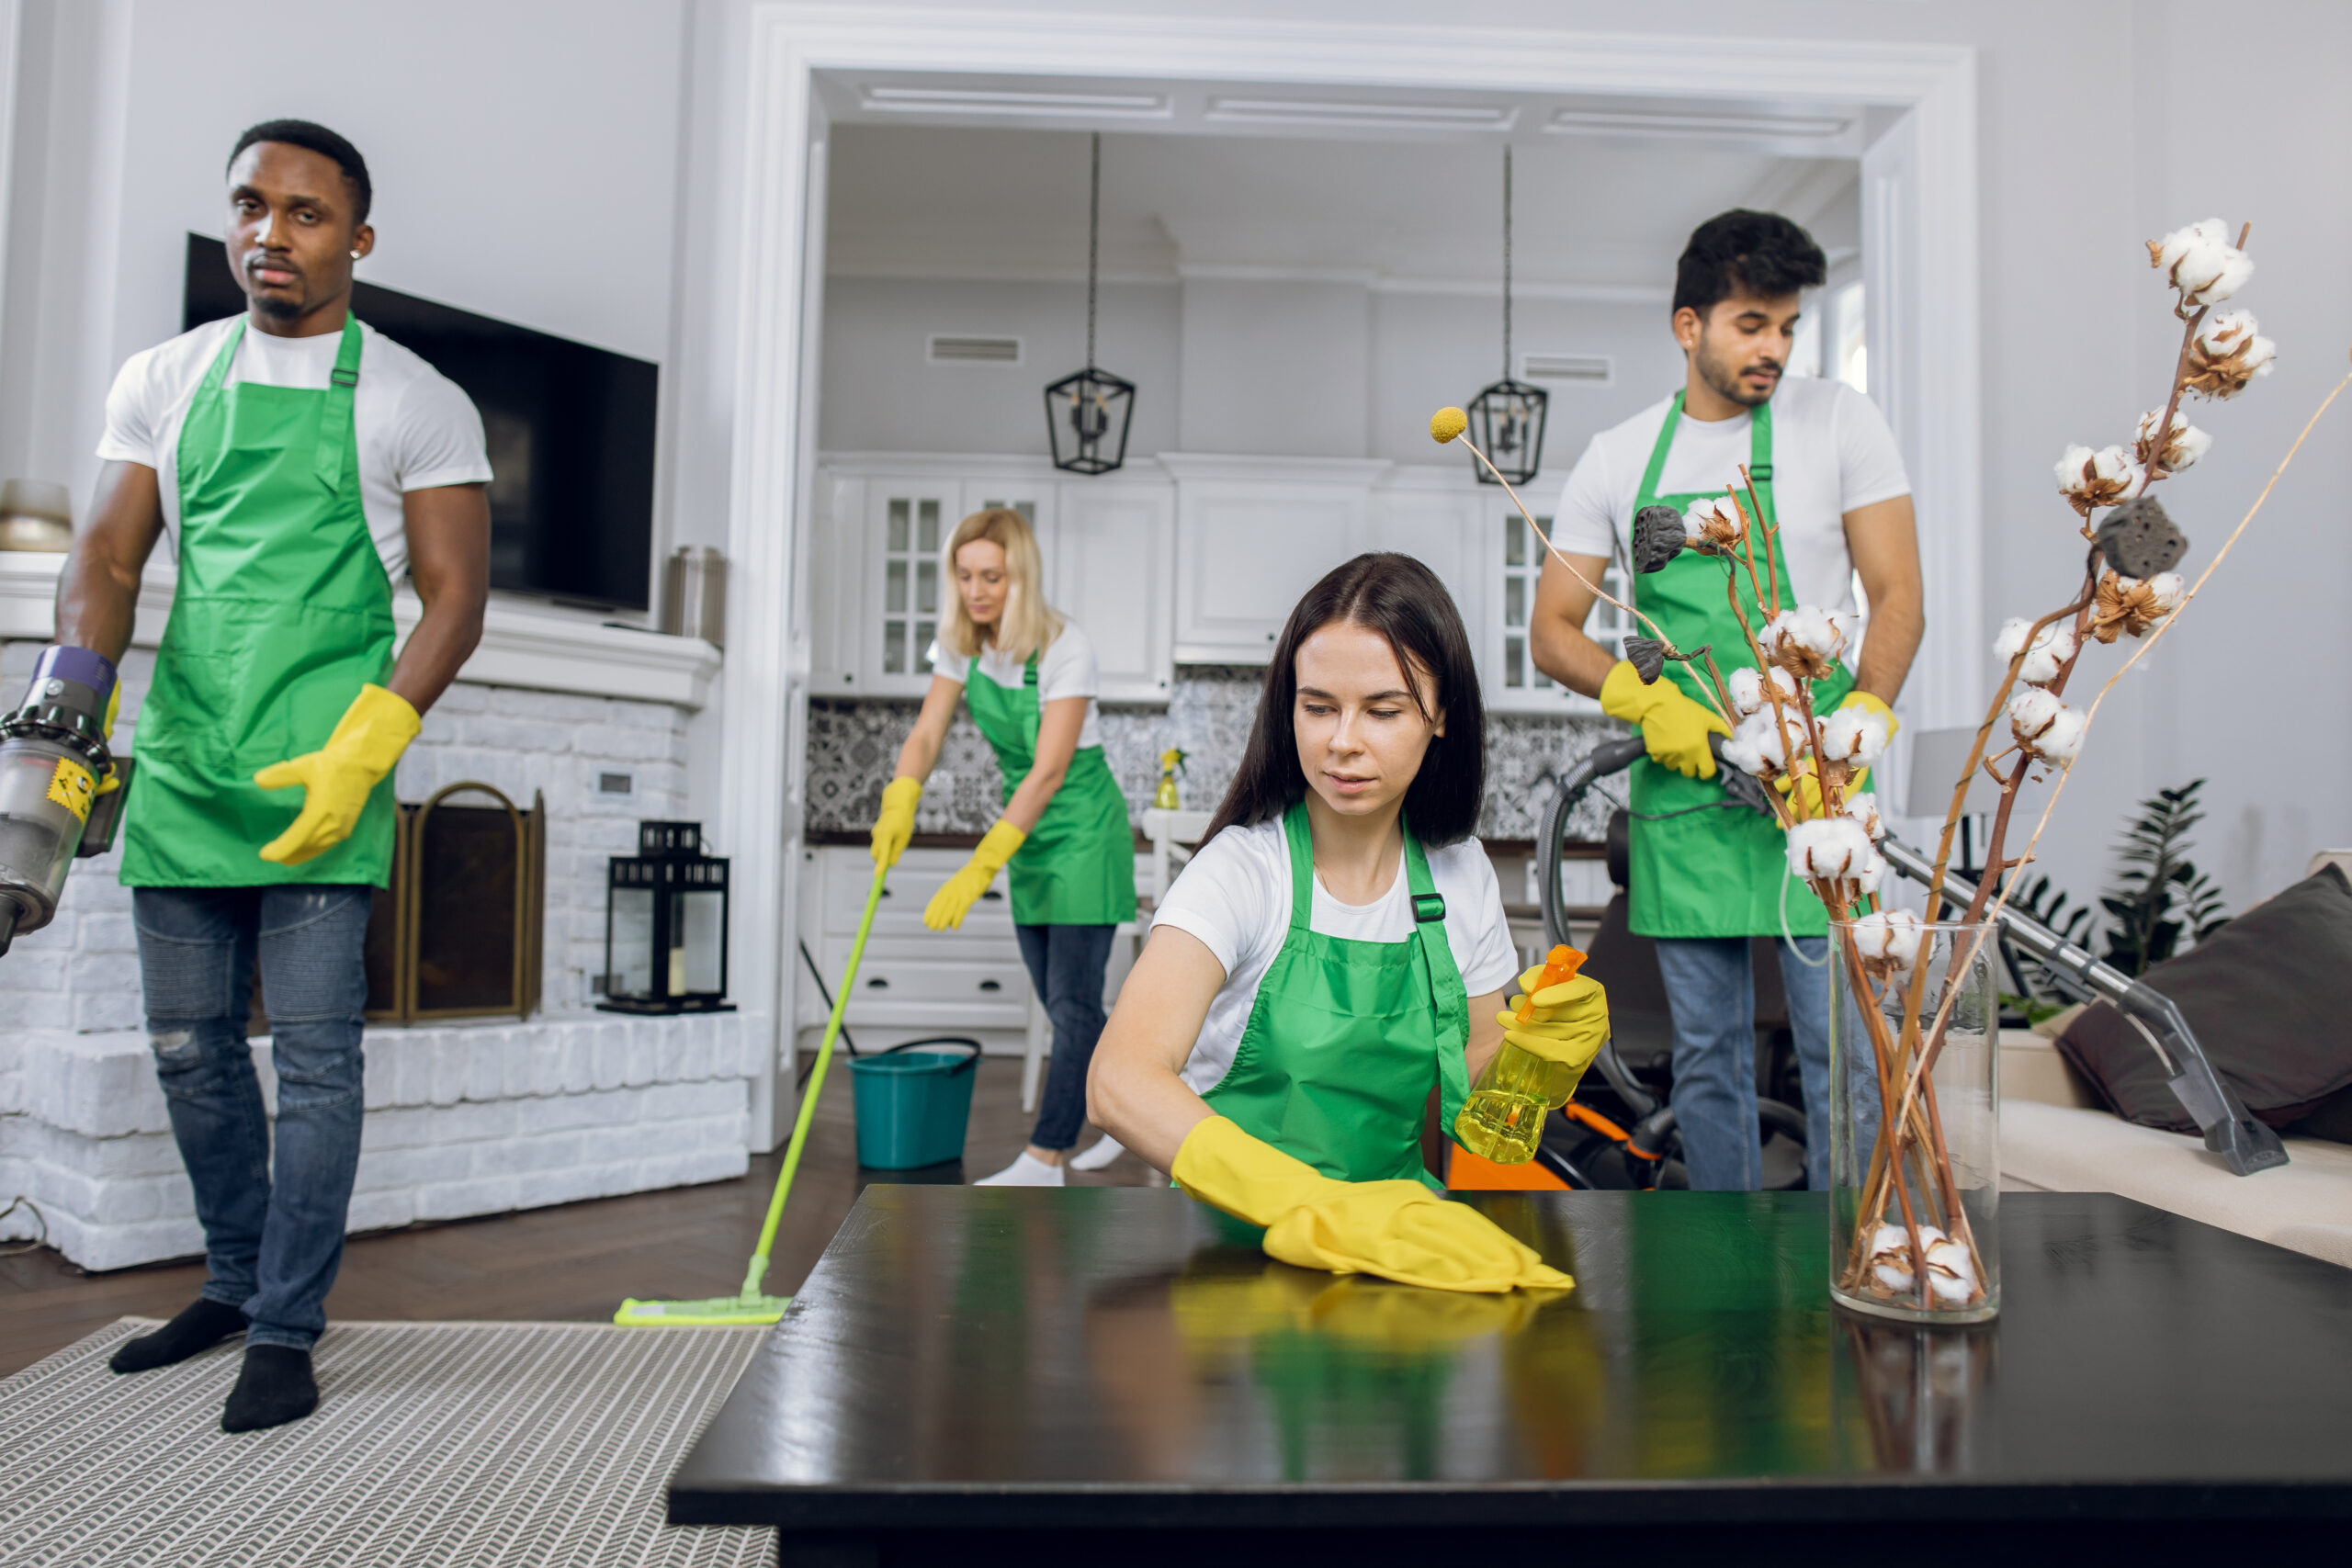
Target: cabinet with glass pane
1513	684
902	593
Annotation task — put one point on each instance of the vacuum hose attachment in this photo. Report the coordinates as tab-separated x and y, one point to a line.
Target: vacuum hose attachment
54	757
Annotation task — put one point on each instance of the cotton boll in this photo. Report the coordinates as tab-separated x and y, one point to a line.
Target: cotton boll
1854	734
2226	354
1748	688
2046	726
1764	742
2167	592
2030	711
2052	645
1891	937
2200	262
2181	449
2103	478
1952	1273
1891	1254
1835	848
1714	522
1804	641
2063	741
1863	809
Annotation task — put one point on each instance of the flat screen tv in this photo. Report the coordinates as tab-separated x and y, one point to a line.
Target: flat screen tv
571	430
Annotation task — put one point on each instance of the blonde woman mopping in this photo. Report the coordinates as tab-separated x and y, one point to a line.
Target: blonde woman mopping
1064	838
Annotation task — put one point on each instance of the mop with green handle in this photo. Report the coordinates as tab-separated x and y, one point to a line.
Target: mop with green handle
749	1306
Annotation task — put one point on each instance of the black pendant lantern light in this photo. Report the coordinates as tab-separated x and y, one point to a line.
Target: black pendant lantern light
1087	414
1507	418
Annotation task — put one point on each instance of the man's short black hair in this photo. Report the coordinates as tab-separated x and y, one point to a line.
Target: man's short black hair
1741	251
317	138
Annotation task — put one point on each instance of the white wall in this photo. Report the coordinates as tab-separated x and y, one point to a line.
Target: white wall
881	396
524	157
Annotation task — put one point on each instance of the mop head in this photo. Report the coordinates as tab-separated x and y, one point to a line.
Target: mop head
715	1312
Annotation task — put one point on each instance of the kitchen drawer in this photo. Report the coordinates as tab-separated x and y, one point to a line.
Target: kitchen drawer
953	992
849	876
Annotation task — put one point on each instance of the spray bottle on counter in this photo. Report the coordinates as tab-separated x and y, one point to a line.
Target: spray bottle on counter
1170	761
60	789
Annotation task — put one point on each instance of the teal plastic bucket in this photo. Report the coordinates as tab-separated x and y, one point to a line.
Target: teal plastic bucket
914	1102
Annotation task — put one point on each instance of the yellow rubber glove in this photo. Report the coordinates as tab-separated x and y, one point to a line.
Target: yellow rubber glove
113	781
1567	1026
374	730
1801	780
896	825
1674	727
1399	1230
960	892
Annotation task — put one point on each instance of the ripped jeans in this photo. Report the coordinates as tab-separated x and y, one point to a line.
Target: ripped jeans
273	1237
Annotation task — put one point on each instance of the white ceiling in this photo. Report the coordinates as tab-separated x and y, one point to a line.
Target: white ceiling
1398	193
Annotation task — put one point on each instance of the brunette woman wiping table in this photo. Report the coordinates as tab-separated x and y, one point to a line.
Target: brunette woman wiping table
1337	951
1063	841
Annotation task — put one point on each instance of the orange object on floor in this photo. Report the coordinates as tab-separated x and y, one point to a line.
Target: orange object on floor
1466	1172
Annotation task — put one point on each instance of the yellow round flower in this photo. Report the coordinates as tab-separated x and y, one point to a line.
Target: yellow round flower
1447	423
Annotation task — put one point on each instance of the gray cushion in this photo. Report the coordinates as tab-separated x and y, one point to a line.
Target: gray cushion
2270	998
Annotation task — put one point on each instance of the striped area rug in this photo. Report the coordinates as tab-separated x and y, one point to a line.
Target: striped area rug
463	1443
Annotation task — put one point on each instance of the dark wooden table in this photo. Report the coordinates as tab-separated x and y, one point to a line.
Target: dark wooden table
1108	1371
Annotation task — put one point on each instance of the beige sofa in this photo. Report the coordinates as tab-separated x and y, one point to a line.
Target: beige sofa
2055	1137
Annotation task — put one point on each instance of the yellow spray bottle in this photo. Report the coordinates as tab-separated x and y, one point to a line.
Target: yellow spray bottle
1164	798
1503	1118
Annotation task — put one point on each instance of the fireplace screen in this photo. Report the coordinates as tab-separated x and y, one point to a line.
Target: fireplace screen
457	934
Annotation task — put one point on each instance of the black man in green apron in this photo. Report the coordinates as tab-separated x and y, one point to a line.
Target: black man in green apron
1063	841
303	465
1708	875
1330	972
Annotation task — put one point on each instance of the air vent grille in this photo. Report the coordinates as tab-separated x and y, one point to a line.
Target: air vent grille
1590	370
963	348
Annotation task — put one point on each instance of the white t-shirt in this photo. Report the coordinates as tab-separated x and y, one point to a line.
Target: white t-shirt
1235	896
1831	453
416	430
1067	669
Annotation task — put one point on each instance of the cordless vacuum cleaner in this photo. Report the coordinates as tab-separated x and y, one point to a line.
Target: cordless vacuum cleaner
53	763
2243	1139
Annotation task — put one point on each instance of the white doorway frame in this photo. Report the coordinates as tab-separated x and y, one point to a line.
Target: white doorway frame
1920	274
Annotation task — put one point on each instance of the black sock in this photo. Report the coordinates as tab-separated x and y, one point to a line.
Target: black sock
199	1327
274	1387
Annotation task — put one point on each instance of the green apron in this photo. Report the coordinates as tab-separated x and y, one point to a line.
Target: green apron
1078	865
1711	873
281	613
1347	1037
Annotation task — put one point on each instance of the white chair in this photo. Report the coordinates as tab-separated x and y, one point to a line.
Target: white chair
1172	833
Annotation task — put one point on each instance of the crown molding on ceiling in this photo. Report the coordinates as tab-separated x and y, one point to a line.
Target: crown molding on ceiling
951	271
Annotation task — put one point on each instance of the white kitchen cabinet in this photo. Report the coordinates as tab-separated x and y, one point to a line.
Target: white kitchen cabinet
880	592
900	592
1513	560
1112	556
1427	514
1252	536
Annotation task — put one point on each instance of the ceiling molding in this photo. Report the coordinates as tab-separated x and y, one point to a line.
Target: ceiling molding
1465	287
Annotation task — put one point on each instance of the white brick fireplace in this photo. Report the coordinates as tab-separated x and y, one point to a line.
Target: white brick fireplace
462	1118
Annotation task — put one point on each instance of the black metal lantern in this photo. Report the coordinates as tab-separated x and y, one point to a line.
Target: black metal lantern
665	925
1087	413
1507	418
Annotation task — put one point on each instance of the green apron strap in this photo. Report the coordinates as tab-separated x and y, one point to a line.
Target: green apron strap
334	410
1301	841
1759	460
1447	992
217	372
1658	449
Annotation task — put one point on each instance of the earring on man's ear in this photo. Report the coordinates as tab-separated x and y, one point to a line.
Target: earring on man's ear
355	255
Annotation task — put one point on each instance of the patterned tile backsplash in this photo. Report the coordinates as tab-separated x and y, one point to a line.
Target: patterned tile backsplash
854	748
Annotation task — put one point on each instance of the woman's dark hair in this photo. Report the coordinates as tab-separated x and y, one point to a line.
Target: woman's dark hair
1741	251
1402	600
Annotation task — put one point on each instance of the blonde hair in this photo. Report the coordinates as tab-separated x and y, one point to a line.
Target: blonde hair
1028	624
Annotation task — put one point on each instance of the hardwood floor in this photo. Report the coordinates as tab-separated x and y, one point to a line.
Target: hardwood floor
572	1263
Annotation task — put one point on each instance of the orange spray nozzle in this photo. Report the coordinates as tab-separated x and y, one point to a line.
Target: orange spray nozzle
1560	967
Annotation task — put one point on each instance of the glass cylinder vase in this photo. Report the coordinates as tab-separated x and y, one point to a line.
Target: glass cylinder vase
1915	1157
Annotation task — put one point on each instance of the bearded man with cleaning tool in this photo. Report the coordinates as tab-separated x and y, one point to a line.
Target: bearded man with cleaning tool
1817	462
303	464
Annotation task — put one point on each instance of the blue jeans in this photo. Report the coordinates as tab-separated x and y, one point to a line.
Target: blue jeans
272	1240
1712	991
1066	964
